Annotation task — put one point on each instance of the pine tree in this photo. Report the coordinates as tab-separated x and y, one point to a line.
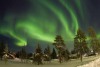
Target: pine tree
95	44
2	47
61	47
6	49
6	53
80	45
54	54
47	54
38	49
47	50
38	55
23	54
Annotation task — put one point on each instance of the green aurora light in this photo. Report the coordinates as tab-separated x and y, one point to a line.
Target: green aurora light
43	22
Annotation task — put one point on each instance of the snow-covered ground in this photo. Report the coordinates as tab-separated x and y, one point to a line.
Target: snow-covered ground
95	63
54	63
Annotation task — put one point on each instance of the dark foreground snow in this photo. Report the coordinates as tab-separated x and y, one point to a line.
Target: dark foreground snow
54	63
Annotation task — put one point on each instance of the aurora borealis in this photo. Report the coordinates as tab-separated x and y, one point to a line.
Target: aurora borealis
42	20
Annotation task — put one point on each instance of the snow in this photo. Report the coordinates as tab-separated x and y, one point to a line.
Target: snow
54	63
95	63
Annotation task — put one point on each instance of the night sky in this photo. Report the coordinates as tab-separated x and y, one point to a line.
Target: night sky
28	22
